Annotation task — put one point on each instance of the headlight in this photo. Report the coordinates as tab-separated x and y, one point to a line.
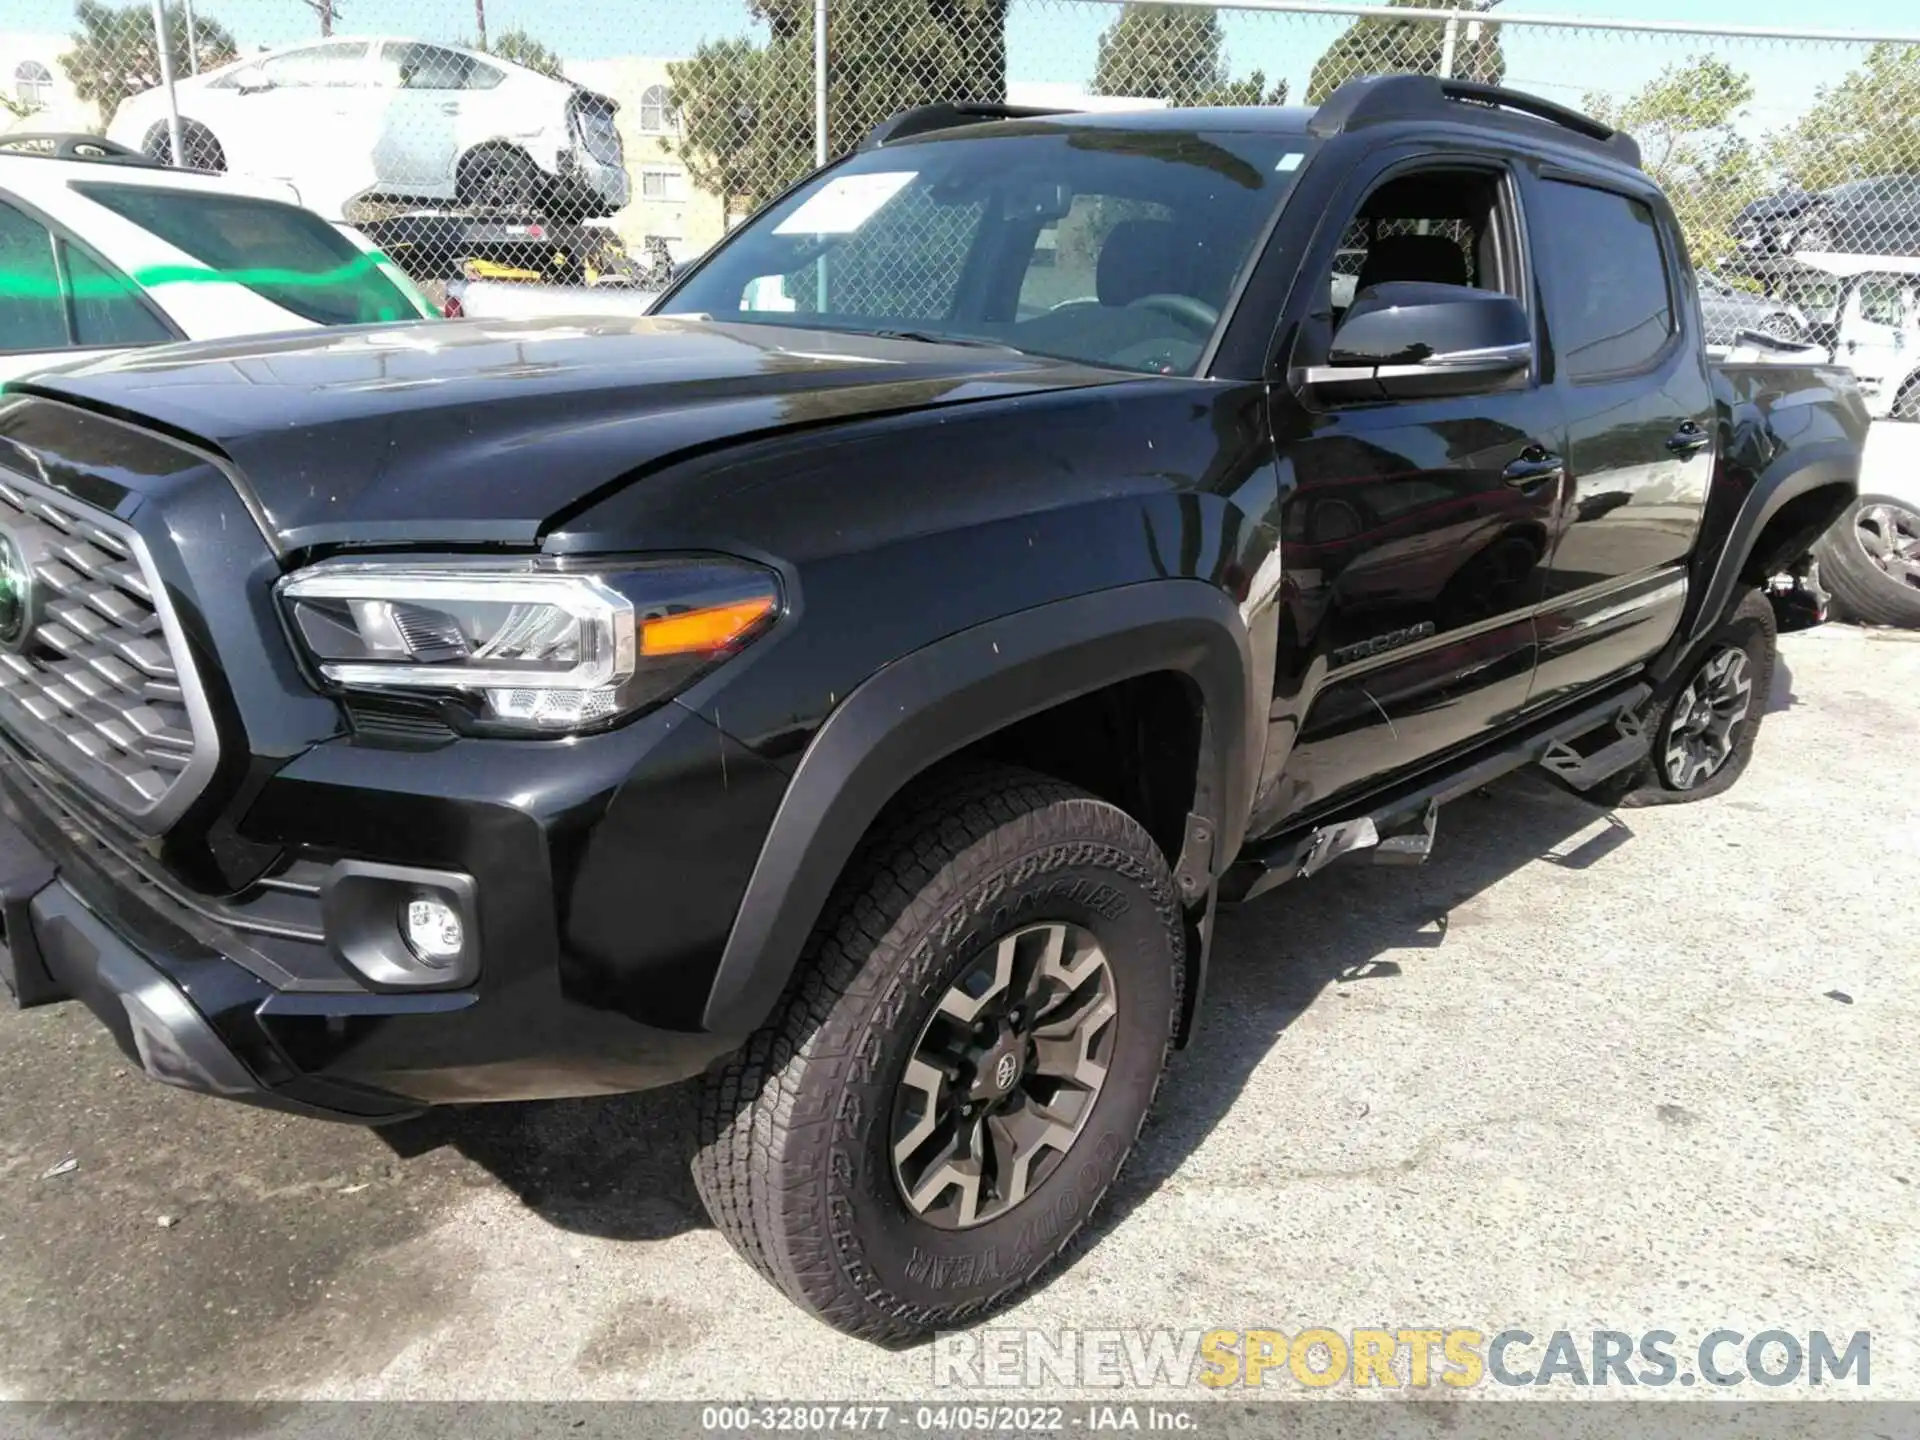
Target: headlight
536	645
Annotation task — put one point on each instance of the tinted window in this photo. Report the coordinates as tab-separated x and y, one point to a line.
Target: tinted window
287	255
107	309
430	67
32	315
1610	307
987	233
317	67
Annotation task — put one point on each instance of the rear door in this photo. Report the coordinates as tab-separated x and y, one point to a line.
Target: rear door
1413	532
1632	376
58	300
425	97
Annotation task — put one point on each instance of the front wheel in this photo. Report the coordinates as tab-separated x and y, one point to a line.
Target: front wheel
960	1065
1703	730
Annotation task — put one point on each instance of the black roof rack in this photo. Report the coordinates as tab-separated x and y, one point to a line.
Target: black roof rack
945	116
65	145
1378	99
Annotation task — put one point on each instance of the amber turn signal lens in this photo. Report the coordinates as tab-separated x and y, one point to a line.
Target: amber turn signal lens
712	627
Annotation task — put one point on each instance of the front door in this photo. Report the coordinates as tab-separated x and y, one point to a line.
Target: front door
1640	417
1413	532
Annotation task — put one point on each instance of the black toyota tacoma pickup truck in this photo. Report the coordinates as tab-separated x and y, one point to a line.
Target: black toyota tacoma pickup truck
858	684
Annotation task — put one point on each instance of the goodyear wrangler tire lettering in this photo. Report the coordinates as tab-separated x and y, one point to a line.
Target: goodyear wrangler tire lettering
1070	907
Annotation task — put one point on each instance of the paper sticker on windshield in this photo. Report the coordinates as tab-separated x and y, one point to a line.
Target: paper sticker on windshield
845	203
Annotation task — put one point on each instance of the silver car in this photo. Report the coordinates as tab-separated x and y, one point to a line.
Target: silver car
1726	310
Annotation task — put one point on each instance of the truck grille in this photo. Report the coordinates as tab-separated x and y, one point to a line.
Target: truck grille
90	681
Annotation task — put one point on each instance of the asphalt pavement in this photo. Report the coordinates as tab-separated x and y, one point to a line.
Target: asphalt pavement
1634	1072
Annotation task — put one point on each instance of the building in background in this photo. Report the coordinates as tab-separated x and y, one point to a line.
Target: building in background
664	203
36	92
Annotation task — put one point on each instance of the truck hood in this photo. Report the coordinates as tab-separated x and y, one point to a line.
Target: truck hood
483	431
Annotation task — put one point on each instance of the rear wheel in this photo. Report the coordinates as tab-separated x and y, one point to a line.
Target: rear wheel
962	1062
502	180
1870	560
1703	730
199	149
1781	326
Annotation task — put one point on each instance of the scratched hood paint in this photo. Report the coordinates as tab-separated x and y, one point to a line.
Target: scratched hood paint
484	431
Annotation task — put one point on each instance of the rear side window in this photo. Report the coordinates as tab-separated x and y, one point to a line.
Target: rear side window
32	314
1610	306
280	252
106	308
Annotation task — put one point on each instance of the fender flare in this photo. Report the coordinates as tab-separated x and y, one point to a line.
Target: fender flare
1828	462
937	700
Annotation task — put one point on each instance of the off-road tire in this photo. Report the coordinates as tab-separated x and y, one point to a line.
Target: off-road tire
794	1159
1749	627
1861	590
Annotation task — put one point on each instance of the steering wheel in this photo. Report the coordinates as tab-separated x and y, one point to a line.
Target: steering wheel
1184	308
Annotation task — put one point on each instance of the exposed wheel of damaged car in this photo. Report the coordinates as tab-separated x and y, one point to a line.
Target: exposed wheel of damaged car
962	1063
1870	560
1707	719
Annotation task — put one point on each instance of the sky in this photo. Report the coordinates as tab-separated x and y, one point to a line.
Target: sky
1056	40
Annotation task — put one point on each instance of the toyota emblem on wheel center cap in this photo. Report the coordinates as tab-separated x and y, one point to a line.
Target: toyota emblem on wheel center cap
1004	1071
16	592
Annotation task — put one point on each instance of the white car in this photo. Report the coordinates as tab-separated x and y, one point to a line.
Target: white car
353	117
110	252
1868	309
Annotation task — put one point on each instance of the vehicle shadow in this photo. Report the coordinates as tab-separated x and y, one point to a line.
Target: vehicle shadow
617	1168
1281	954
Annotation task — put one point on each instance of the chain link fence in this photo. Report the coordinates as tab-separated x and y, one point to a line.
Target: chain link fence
603	144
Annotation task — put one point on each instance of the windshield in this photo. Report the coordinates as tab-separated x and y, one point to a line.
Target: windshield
1096	243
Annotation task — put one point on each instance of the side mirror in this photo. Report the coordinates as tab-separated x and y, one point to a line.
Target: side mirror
253	84
1410	339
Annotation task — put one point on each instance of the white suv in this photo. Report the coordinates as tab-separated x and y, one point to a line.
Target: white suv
101	254
347	118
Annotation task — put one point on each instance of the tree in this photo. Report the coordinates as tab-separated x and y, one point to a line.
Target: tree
328	11
114	54
1867	125
1161	52
1253	90
1684	119
746	110
1375	46
519	48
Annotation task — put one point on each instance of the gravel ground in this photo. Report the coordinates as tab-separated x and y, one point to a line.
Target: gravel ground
1645	1071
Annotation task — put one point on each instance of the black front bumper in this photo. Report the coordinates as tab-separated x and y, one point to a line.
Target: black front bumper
53	948
600	913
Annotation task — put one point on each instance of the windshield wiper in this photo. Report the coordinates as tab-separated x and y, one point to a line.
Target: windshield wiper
927	337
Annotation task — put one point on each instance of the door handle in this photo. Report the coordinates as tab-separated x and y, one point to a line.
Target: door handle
450	107
1533	465
1689	439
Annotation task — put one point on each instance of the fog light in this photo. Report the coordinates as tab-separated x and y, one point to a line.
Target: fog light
434	932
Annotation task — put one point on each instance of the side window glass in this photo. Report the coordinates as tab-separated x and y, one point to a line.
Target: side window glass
32	314
1610	304
316	67
106	307
1435	226
426	67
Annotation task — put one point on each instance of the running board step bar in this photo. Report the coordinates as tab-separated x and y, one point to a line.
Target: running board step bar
1398	827
1583	772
